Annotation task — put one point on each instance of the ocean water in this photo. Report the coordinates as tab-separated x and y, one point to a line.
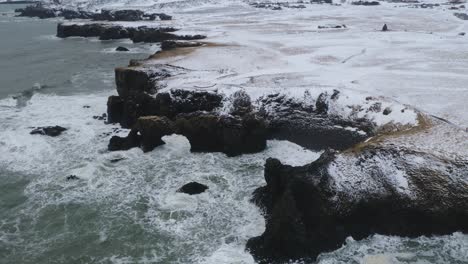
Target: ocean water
129	211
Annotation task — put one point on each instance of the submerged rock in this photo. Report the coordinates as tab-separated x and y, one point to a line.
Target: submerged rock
52	131
120	48
193	188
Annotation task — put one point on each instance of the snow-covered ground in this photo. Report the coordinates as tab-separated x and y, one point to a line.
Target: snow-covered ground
422	61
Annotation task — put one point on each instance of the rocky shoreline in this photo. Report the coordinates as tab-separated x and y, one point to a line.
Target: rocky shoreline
355	188
371	178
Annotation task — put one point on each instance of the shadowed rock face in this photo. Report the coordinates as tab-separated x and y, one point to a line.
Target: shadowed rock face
313	208
230	135
205	132
312	127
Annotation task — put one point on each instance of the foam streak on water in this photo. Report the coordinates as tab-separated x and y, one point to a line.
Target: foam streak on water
126	211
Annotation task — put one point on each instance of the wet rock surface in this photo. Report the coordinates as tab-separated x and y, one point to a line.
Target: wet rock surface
52	131
193	188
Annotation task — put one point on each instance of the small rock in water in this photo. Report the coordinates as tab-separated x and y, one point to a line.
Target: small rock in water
116	160
51	131
122	49
193	188
385	28
72	177
387	111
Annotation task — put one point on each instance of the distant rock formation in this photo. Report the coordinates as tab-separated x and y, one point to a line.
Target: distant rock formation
110	31
41	11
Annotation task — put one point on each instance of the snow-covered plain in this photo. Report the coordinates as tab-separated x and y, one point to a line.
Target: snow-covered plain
421	61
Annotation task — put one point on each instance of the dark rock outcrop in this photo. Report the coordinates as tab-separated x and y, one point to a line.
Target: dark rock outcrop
37	10
206	133
133	140
41	11
137	34
378	189
152	129
312	127
120	48
230	135
366	3
153	35
461	16
173	44
138	96
52	131
241	103
115	107
385	27
72	177
193	188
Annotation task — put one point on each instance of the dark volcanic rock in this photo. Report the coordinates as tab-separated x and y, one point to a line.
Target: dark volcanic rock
115	108
109	31
121	15
37	10
385	28
134	80
366	3
241	103
78	30
151	35
312	127
125	143
193	188
72	177
461	16
230	135
206	133
120	48
51	131
173	44
152	129
314	208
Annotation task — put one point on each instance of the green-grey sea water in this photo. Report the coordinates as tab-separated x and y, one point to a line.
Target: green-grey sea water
129	211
